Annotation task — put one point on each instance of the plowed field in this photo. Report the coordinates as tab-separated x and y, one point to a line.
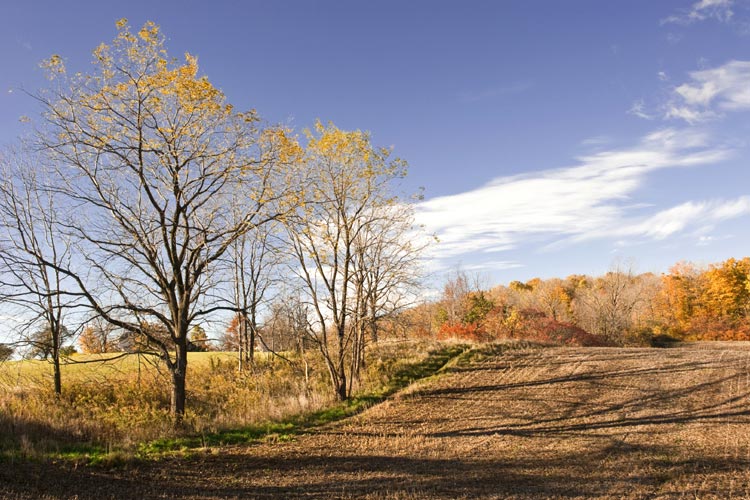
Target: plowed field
536	423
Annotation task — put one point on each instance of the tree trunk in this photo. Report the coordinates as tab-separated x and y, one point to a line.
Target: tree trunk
58	377
373	321
56	359
336	380
179	372
361	353
252	324
342	394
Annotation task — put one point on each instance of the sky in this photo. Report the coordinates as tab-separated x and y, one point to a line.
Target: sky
550	137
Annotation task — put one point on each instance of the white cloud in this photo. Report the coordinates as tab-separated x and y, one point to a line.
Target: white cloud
731	209
678	219
639	109
665	223
581	201
704	240
596	141
712	91
688	114
492	265
728	85
719	10
691	218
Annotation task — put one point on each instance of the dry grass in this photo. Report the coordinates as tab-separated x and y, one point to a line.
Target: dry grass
533	423
117	405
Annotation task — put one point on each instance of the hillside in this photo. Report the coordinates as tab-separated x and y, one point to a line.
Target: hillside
532	423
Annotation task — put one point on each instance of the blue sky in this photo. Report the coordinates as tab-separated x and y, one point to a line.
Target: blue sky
551	137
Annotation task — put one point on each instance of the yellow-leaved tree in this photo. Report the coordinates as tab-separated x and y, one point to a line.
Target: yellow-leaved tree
151	156
350	244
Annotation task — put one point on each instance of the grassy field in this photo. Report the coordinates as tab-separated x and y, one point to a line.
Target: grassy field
105	367
115	407
115	403
498	423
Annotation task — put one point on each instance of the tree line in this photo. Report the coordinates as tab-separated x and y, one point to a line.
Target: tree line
145	207
689	302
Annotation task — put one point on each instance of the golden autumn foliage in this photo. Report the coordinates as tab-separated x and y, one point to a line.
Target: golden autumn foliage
709	303
96	339
152	155
619	308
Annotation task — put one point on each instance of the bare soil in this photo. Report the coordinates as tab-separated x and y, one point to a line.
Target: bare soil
535	423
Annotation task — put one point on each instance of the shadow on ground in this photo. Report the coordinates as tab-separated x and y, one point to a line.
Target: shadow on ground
557	423
240	476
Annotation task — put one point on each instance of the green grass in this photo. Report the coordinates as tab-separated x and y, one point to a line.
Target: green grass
486	351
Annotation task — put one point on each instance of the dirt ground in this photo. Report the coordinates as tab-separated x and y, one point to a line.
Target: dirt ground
536	423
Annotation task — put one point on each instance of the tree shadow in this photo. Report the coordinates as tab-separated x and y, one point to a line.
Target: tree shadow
26	437
602	473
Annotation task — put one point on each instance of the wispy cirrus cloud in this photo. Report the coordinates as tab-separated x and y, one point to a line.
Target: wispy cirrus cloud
711	92
639	109
492	265
701	215
580	202
718	10
708	94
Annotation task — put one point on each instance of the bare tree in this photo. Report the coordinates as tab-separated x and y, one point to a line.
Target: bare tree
350	183
608	305
285	326
454	303
150	156
31	257
253	260
386	272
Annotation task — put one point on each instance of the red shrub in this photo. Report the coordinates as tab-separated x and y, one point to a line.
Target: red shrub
551	331
462	331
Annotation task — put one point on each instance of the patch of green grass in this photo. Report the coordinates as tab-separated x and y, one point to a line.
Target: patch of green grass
481	353
83	452
435	362
247	434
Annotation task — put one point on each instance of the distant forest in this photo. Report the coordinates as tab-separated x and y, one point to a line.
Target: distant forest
690	302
